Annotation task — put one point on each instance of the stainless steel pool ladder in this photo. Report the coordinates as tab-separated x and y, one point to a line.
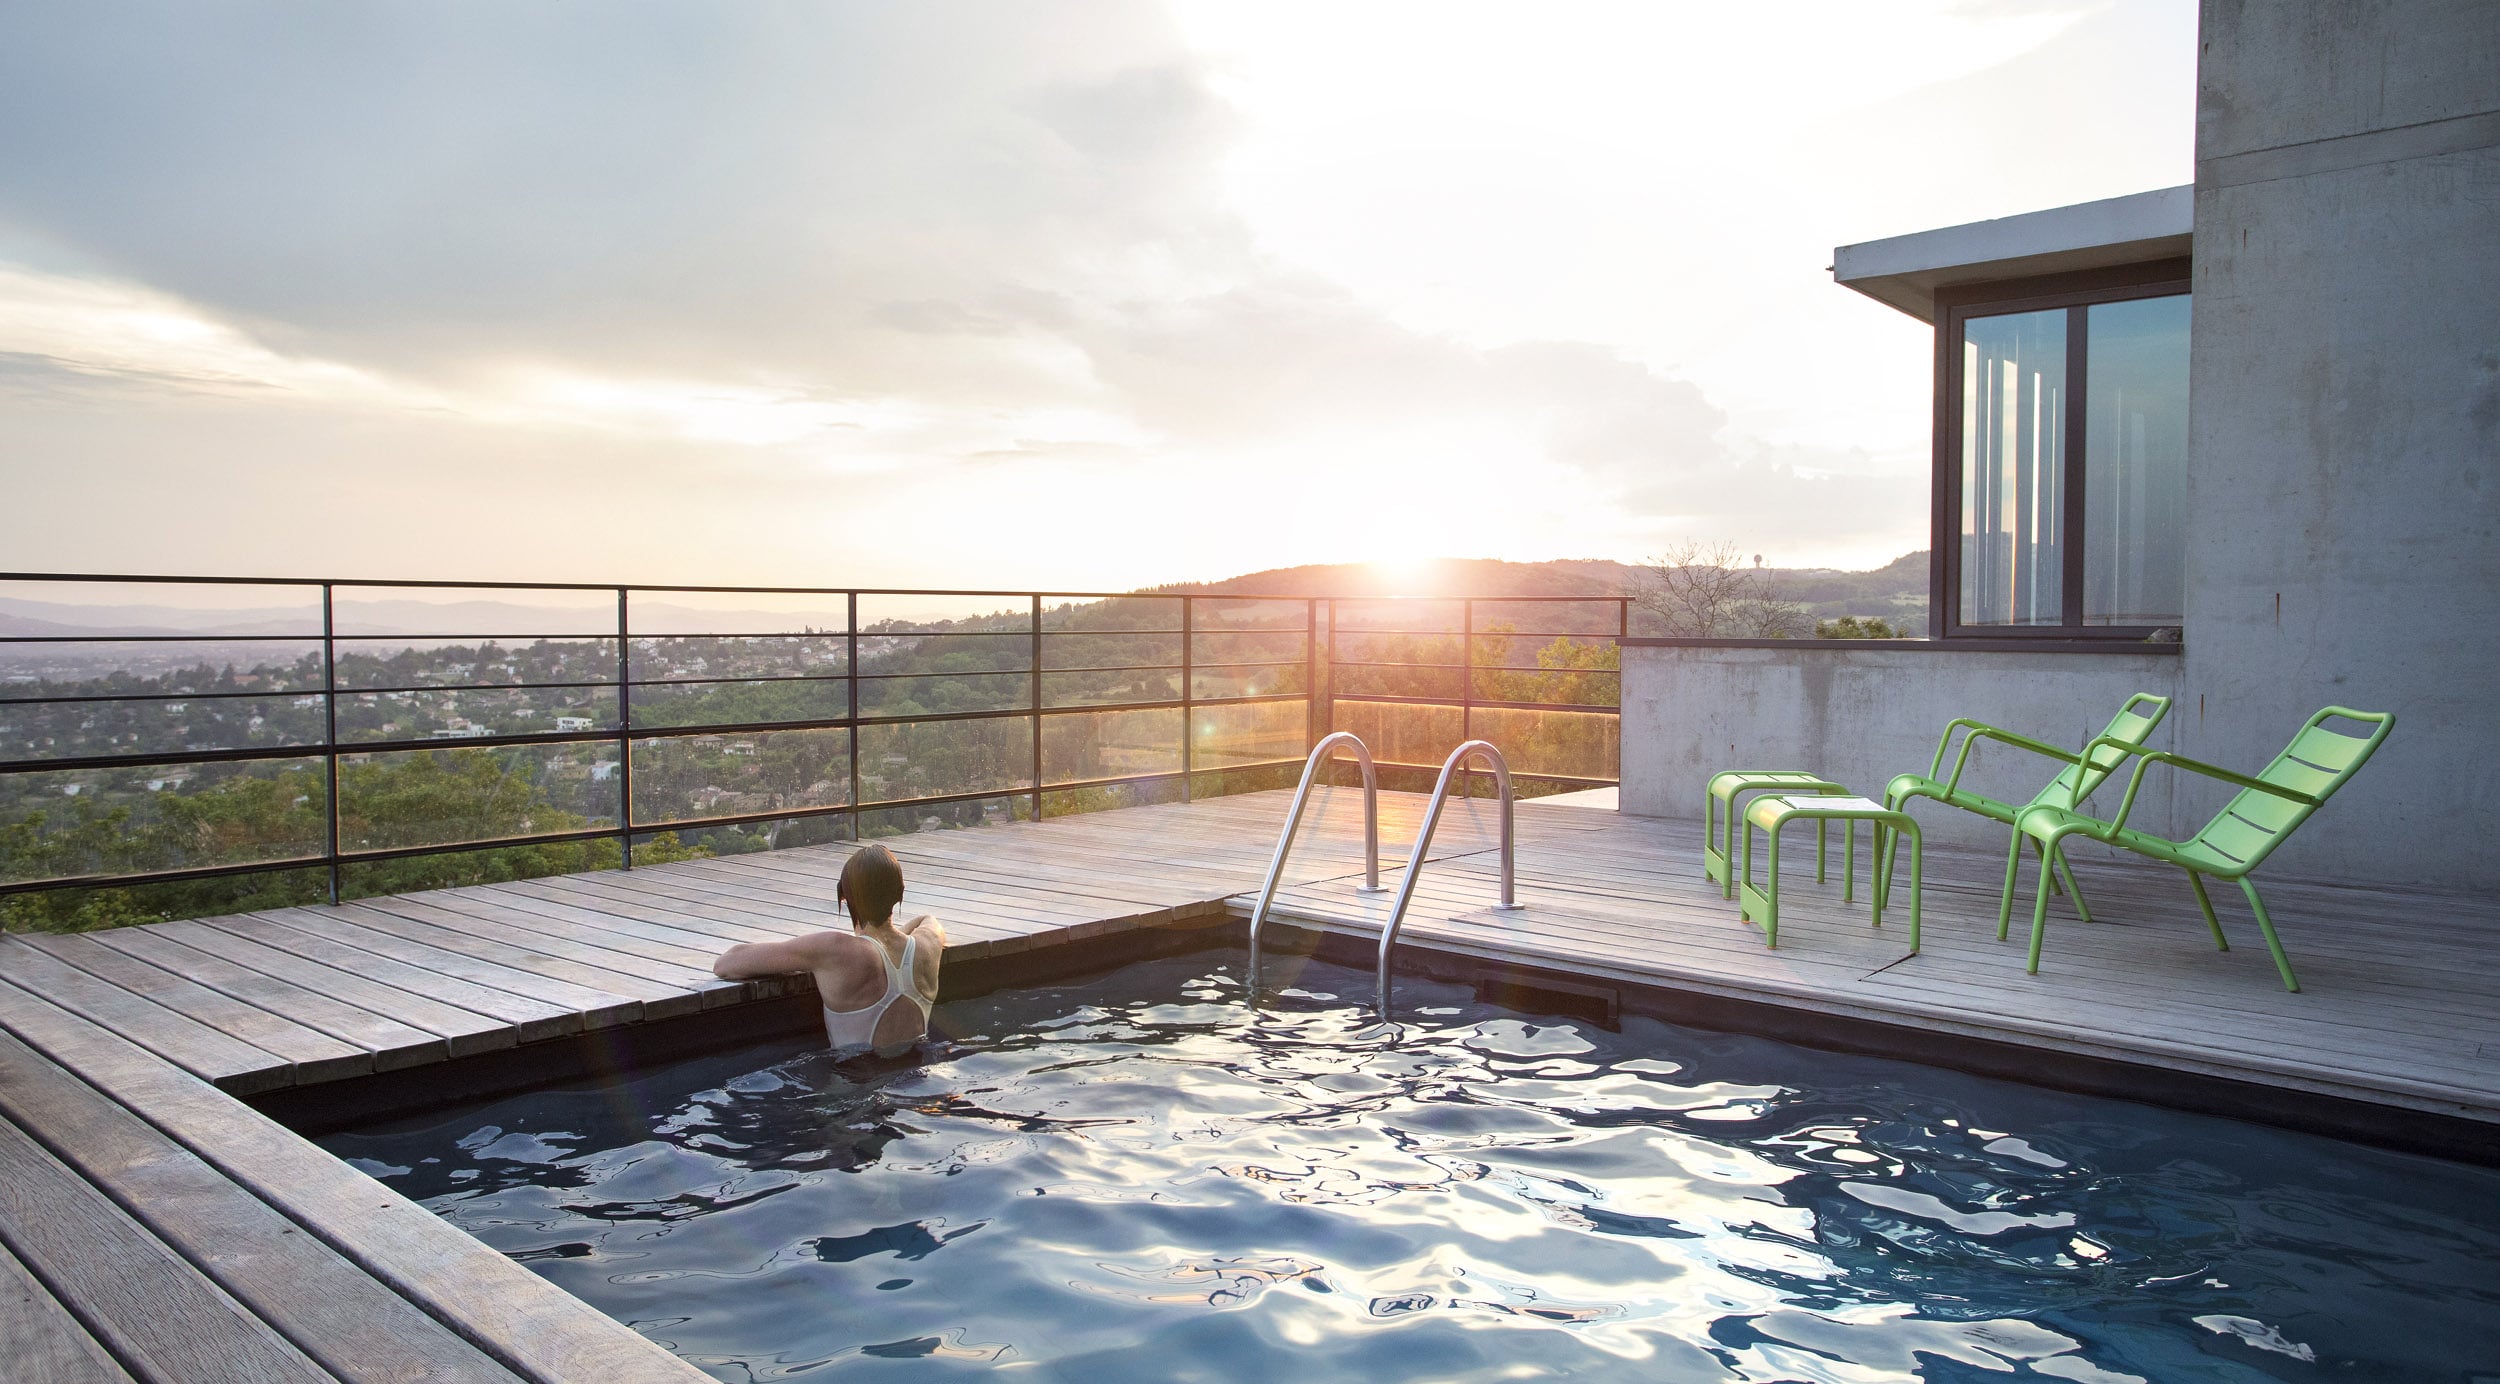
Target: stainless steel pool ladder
1293	821
1473	749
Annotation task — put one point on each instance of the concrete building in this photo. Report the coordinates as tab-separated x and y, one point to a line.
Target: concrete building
2322	526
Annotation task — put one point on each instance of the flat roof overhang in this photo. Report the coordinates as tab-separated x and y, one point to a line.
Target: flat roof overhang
1905	271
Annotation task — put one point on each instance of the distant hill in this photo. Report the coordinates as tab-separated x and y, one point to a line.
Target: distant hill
1896	591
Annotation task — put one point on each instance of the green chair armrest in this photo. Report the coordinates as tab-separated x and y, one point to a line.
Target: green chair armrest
2146	759
1944	742
1981	732
2216	771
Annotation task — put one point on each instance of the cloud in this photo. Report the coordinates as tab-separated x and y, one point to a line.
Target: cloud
795	266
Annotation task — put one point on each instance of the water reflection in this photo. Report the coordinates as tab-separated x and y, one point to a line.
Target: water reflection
1139	1161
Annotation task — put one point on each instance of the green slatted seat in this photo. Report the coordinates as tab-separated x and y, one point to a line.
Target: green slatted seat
2268	809
2083	775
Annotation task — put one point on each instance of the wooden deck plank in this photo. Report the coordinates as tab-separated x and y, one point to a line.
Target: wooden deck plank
489	964
531	1327
196	1047
325	1306
795	899
462	1031
309	1051
662	988
141	1299
41	1340
526	1018
602	940
393	1044
695	896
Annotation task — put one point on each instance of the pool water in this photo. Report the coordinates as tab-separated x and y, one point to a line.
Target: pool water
1138	1177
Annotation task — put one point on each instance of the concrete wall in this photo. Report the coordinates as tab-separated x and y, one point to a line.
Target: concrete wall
1862	715
2344	488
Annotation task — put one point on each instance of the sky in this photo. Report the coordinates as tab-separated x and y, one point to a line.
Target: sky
1063	296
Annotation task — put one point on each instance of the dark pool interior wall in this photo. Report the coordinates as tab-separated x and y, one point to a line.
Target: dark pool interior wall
613	1052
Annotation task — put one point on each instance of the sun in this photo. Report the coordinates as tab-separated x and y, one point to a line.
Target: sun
1406	574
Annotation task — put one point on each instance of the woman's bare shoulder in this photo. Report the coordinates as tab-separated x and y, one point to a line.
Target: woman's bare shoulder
927	922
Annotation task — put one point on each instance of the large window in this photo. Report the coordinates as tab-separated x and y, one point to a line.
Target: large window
2061	456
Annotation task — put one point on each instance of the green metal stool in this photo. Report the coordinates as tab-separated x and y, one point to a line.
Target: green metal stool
1718	844
1760	902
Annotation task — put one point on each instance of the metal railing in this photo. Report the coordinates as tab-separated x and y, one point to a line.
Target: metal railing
352	680
1293	822
1473	749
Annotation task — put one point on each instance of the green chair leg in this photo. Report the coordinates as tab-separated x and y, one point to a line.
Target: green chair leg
2074	891
1918	878
1771	910
1822	842
2039	917
2266	926
2197	883
1887	839
1767	893
2005	901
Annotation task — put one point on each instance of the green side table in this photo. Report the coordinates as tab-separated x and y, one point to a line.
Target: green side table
1720	804
1760	901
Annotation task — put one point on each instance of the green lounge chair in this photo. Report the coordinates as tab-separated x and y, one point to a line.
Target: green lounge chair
2267	810
2084	773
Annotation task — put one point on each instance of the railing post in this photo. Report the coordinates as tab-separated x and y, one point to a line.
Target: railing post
1037	706
1189	702
1312	729
1467	690
330	721
624	742
1331	723
850	678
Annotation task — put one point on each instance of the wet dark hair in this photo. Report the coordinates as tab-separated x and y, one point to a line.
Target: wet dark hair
872	883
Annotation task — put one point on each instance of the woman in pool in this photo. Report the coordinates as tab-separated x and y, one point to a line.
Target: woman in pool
876	981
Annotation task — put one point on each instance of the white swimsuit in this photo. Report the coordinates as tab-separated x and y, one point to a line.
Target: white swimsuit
852	1031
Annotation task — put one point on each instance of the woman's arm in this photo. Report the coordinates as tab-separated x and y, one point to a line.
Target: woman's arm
755	960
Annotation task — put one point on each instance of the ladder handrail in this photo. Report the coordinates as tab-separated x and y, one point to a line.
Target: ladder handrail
1484	749
1293	821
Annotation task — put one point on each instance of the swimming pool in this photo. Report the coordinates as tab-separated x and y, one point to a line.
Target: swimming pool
1137	1177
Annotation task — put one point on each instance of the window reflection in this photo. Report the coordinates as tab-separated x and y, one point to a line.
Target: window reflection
2013	468
2135	462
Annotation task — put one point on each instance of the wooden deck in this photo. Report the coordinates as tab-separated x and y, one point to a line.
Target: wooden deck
152	1226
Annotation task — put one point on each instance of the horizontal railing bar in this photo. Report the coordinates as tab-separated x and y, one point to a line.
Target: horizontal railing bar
258	867
228	755
1516	774
413	583
1382	698
312	638
549	838
787	814
348	691
314	693
1483	633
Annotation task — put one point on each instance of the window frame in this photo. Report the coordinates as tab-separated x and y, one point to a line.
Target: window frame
1954	307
